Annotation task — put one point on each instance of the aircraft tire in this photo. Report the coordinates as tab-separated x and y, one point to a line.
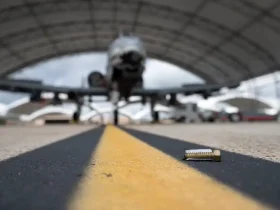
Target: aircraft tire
211	119
76	117
96	79
235	117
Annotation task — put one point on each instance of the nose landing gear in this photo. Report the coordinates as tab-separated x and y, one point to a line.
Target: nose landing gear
115	96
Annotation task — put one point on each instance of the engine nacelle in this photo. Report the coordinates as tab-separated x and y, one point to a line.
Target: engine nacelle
96	79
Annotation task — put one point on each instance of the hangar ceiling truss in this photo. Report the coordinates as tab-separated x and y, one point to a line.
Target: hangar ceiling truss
218	40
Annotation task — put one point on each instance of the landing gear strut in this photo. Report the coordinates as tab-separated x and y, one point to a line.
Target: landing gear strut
155	117
76	117
155	114
115	96
116	116
77	114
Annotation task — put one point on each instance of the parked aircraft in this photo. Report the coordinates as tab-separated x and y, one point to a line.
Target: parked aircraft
123	78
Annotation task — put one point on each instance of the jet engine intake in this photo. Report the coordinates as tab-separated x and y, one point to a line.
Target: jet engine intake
96	79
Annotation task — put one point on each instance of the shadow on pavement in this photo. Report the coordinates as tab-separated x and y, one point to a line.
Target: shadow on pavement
46	177
255	177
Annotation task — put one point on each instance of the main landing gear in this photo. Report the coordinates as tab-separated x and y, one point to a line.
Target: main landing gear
77	114
79	101
116	116
155	114
115	96
76	117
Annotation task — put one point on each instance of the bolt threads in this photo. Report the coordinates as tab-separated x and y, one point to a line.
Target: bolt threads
203	154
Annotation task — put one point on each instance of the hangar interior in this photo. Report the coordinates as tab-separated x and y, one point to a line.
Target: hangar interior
221	41
218	40
142	166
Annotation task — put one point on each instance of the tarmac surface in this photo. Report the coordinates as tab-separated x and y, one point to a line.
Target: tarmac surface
139	167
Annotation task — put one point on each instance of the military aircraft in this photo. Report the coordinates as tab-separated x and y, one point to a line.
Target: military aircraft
123	78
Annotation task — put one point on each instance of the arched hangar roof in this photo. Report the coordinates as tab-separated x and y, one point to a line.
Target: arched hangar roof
219	40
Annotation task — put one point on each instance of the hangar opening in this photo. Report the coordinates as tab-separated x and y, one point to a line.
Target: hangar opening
77	66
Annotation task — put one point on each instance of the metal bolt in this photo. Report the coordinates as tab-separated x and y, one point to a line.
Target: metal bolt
203	154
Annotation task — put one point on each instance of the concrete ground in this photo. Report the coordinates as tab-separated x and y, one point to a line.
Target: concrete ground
16	140
255	139
139	167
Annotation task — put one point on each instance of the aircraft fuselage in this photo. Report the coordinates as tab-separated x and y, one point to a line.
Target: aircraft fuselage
125	67
126	64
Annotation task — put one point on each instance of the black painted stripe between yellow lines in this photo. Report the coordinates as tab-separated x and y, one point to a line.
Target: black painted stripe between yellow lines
130	174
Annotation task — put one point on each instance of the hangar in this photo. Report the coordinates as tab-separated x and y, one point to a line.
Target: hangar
219	40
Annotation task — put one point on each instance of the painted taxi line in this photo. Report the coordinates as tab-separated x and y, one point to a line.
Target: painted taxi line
130	174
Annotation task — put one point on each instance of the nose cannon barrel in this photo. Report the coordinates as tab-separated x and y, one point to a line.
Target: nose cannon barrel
132	57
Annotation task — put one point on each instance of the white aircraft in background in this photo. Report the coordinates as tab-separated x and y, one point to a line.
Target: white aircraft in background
123	78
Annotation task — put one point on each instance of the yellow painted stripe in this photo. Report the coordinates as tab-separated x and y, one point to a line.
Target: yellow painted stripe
130	174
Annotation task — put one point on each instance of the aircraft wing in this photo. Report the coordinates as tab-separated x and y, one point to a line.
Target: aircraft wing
31	87
37	86
189	89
